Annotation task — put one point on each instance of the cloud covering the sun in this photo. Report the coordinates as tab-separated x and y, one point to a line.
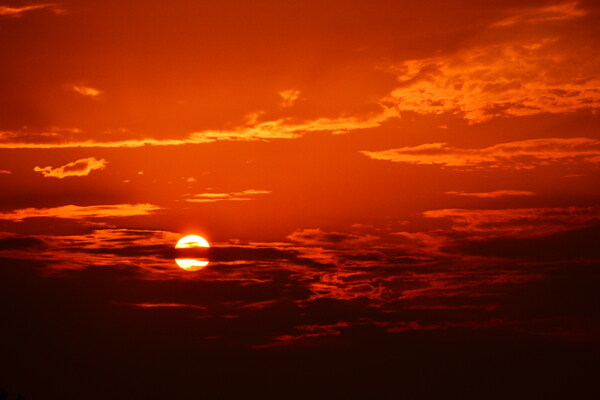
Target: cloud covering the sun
81	167
524	154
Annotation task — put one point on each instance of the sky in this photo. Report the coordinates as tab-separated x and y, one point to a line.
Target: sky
401	198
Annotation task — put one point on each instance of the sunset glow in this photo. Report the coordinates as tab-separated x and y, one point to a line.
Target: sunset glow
299	199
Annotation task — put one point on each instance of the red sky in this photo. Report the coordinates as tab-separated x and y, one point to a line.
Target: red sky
368	174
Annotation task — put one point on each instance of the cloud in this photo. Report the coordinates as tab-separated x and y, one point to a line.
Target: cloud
556	12
517	222
511	155
295	301
285	128
318	237
494	194
81	167
21	243
289	97
81	212
86	91
581	243
167	305
510	71
19	11
232	196
5	171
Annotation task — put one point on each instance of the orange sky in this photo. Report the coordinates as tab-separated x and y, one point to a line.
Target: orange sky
395	153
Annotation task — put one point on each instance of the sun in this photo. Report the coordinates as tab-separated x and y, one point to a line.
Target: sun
191	241
191	264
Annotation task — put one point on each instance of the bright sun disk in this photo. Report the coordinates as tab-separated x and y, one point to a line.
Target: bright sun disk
190	242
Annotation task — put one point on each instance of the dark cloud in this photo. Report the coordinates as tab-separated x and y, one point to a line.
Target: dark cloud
319	237
573	244
236	253
21	243
277	318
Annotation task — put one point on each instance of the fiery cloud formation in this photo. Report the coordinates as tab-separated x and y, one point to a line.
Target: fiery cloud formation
81	167
505	78
512	155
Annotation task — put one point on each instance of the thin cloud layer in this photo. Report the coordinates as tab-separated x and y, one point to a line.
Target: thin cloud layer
80	212
556	12
318	237
524	154
518	222
232	196
493	194
81	167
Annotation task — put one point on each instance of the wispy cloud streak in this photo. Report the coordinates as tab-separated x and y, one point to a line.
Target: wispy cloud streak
285	128
493	194
523	154
19	11
81	212
81	167
232	196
